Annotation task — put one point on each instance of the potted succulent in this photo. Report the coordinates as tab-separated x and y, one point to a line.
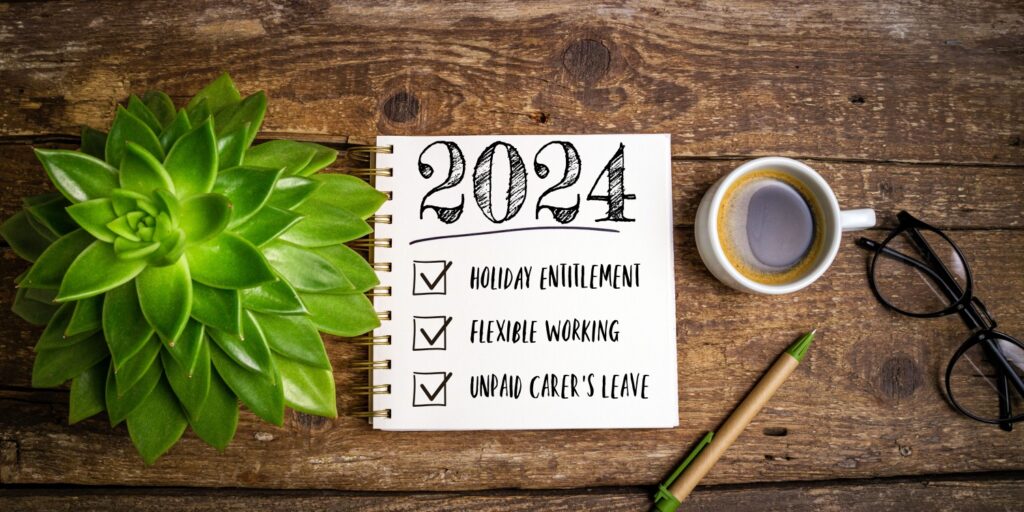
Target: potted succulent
180	269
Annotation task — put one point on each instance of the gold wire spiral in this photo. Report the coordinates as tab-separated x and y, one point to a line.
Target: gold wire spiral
371	341
371	365
385	172
362	153
380	413
379	389
366	243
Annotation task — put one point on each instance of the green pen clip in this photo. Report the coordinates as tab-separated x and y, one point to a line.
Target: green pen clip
664	501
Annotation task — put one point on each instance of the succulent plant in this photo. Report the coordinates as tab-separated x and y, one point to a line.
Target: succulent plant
181	269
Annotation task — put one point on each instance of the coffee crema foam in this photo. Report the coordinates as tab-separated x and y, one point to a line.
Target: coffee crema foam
769	227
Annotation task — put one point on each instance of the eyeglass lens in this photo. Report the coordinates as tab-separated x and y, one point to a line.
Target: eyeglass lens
909	281
973	383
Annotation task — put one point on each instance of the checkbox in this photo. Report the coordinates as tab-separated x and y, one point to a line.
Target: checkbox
430	332
430	277
430	389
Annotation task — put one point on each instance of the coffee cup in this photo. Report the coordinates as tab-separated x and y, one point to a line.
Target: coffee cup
772	226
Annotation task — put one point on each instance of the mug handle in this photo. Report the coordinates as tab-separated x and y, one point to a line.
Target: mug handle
853	220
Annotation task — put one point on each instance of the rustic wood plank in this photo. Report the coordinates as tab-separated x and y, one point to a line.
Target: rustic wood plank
948	196
866	402
998	492
916	81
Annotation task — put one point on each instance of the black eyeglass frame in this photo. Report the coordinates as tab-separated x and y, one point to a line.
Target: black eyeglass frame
962	301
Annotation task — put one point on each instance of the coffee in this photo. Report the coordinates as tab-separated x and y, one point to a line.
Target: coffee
770	227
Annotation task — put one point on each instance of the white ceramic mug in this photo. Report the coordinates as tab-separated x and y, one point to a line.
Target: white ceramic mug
836	221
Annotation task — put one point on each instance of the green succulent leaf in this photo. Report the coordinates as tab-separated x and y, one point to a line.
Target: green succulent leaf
87	317
124	326
199	113
291	191
129	373
128	128
290	155
174	131
249	350
294	337
94	142
191	387
263	394
231	147
192	162
93	216
249	111
78	176
306	389
228	261
53	215
165	296
204	216
267	225
217	308
53	336
141	172
129	250
217	421
40	229
352	265
86	397
82	279
304	269
141	111
161	105
323	157
157	423
274	297
53	263
247	188
22	237
342	315
55	366
119	406
325	225
185	349
218	94
348	193
32	311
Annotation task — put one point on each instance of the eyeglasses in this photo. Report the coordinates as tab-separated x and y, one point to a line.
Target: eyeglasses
920	272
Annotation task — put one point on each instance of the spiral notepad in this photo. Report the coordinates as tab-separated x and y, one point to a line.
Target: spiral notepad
526	283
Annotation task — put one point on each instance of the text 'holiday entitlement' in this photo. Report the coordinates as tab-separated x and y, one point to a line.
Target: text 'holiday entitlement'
530	283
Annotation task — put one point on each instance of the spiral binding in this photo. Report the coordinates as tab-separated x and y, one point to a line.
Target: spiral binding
365	154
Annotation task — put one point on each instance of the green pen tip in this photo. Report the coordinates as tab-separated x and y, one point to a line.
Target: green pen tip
800	346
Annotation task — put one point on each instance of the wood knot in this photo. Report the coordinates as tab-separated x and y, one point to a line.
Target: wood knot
587	60
899	377
402	107
857	99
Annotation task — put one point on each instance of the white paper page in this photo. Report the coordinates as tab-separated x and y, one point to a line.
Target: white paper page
606	285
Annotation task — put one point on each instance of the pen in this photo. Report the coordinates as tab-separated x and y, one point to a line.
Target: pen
711	447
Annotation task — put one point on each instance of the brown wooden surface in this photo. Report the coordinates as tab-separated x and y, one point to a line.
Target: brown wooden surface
909	105
997	492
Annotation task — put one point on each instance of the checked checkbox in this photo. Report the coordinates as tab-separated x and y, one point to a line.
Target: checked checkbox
430	277
430	389
430	332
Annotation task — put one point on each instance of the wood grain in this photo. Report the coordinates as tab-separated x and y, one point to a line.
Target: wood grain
961	197
866	402
914	81
999	492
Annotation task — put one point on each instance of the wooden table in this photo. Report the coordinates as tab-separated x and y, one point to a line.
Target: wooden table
914	105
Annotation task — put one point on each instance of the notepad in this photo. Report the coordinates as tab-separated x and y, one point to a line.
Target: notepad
529	283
